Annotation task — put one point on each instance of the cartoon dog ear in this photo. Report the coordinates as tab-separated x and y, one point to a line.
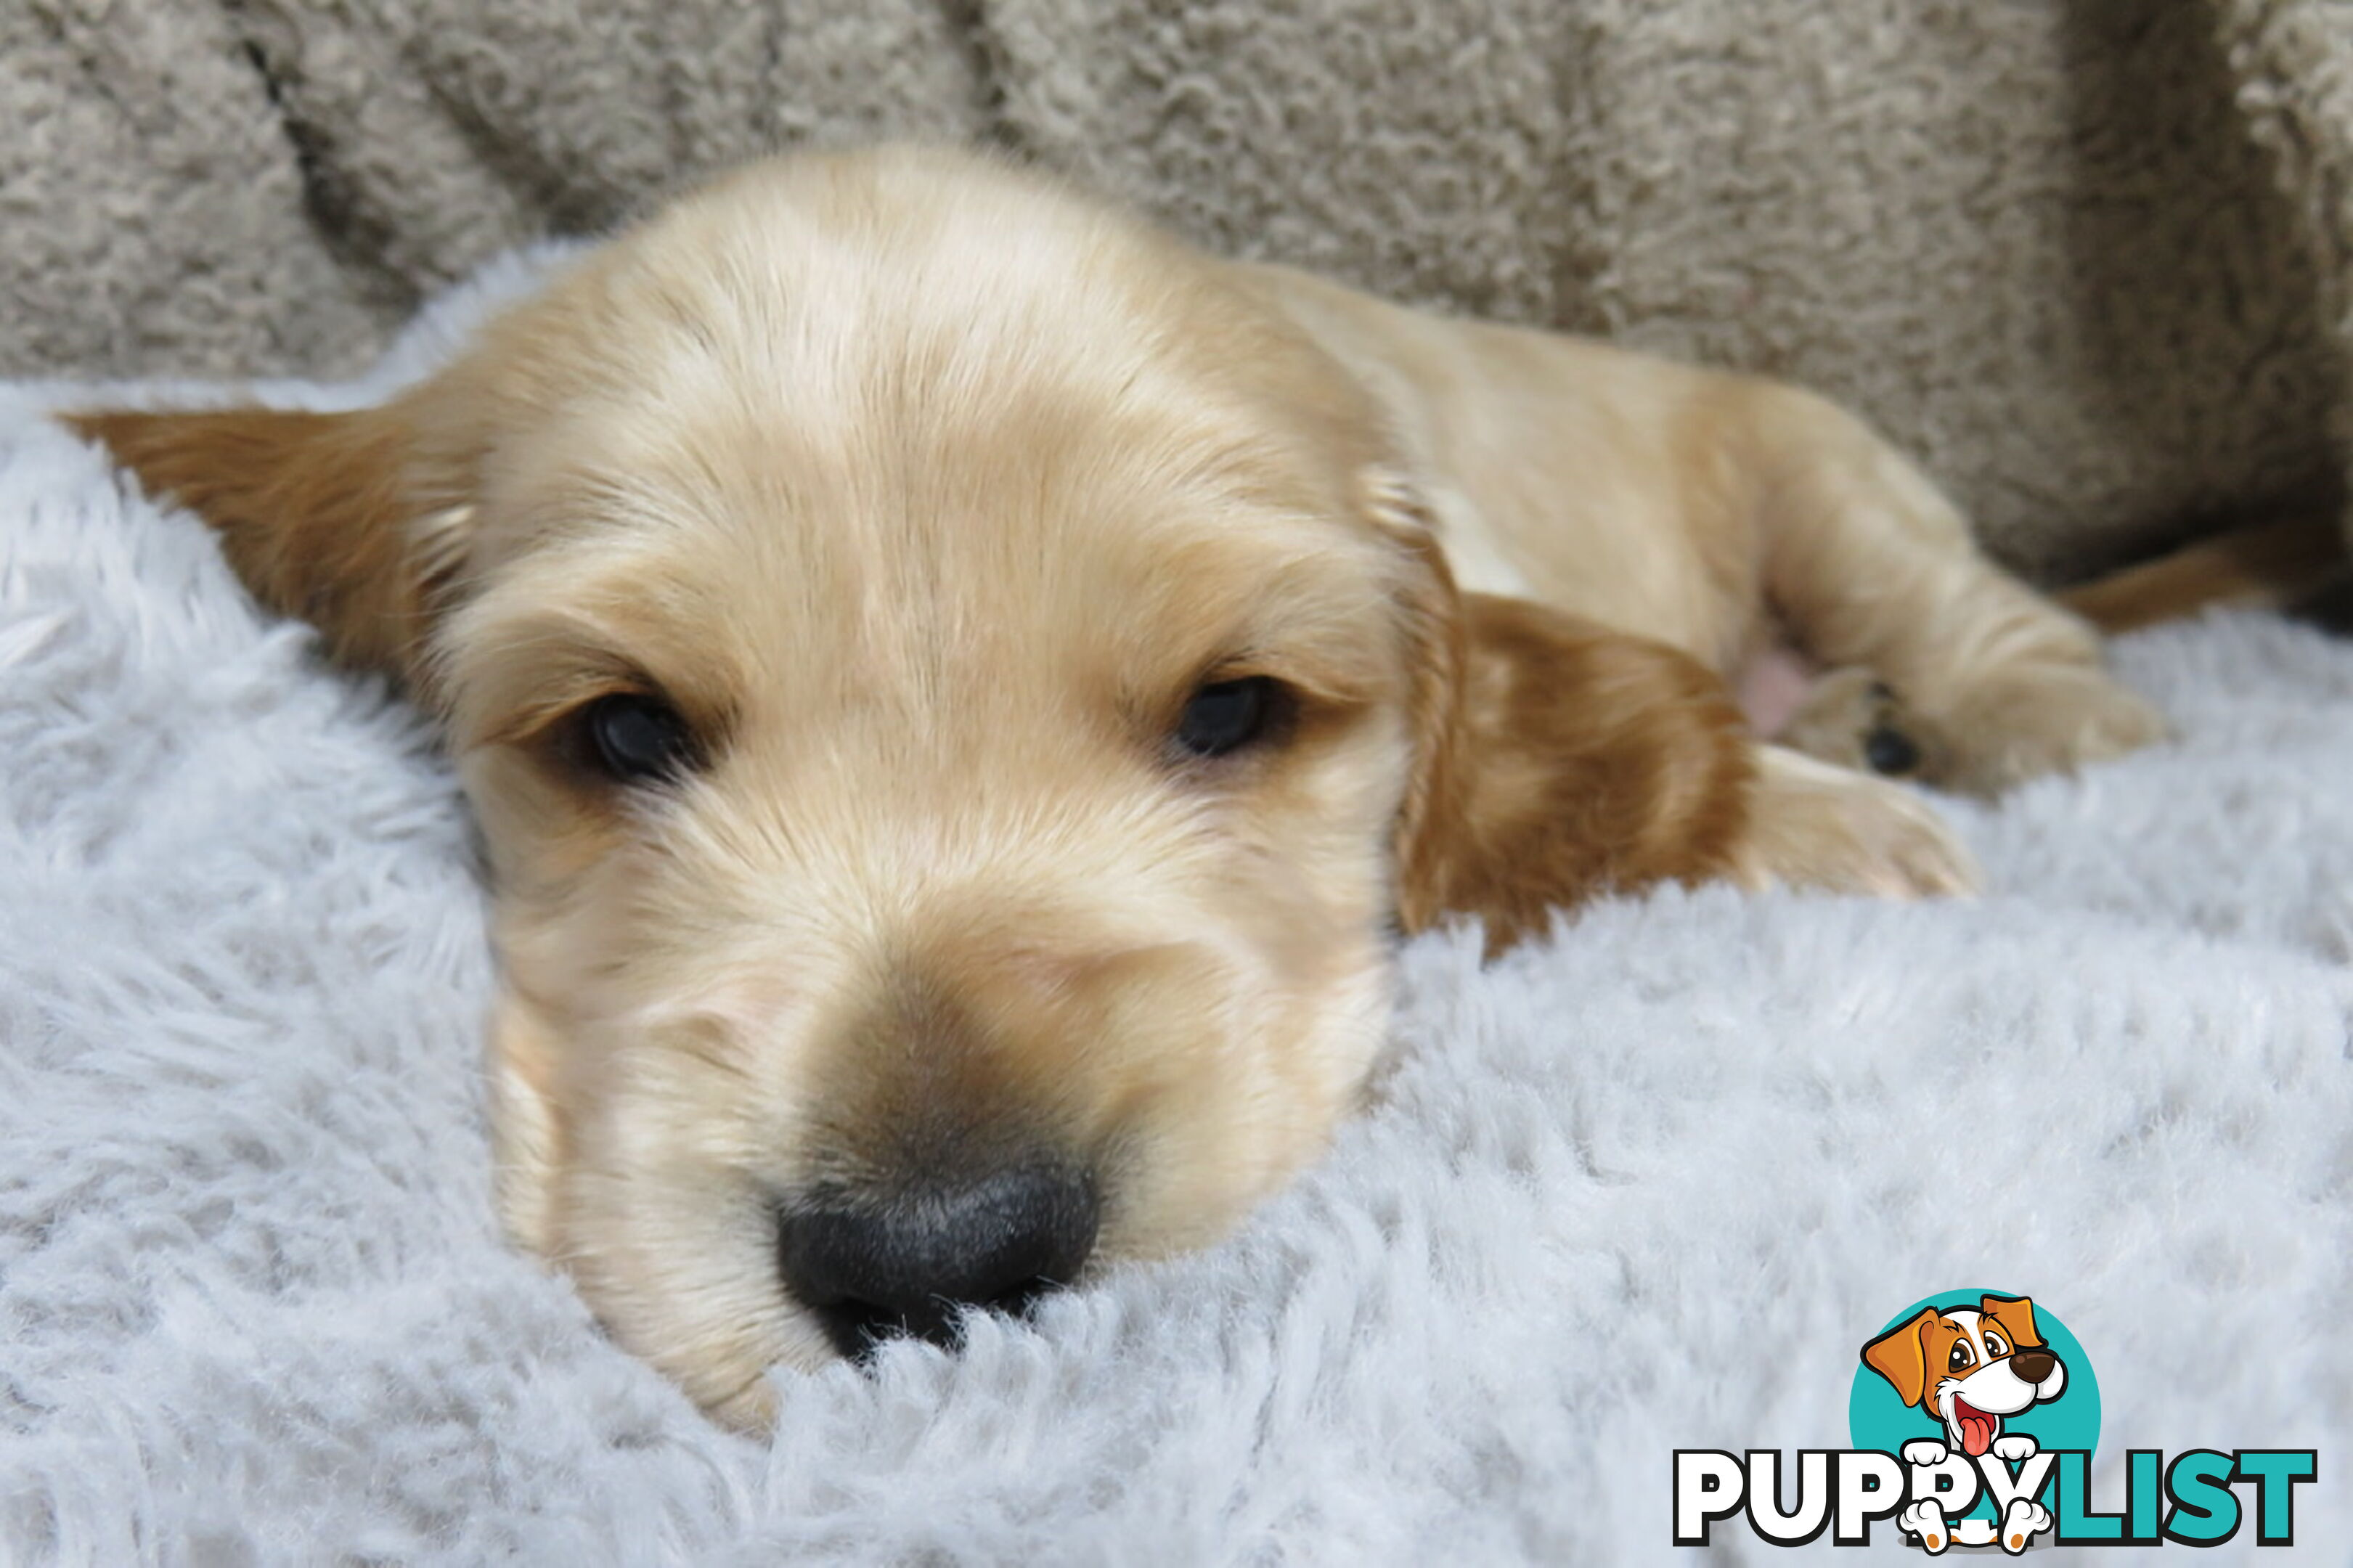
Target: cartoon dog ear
1554	759
327	517
1900	1355
2016	1316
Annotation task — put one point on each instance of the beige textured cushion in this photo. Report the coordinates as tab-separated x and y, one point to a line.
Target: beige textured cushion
2047	245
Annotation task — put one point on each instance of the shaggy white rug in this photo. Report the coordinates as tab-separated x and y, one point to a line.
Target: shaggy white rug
1647	1186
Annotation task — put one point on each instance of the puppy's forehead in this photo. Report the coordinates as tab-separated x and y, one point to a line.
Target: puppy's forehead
937	424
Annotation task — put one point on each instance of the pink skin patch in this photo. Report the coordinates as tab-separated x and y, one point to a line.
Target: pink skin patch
1772	687
1977	1428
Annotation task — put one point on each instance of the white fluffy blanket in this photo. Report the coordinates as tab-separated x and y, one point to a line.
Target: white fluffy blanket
1648	1185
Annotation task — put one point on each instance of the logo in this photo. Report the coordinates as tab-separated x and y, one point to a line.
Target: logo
1974	1416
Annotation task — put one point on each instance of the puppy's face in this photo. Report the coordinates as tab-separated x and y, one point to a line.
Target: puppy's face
939	735
933	678
1970	1367
957	712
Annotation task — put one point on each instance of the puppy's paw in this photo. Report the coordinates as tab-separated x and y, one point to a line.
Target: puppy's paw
1814	825
1851	719
1925	1520
2014	1446
1924	1452
2037	718
2021	1522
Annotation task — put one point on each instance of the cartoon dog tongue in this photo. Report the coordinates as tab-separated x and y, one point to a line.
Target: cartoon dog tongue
1977	1426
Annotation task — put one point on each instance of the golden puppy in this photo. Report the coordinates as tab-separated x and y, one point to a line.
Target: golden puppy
962	693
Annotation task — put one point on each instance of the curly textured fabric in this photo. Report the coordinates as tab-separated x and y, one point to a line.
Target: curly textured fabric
1649	1185
2292	64
2042	244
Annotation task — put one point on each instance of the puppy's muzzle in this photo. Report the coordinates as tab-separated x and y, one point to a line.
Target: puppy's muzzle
912	1260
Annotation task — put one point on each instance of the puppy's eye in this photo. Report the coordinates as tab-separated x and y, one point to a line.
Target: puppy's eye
1962	1356
1226	715
1995	1347
632	738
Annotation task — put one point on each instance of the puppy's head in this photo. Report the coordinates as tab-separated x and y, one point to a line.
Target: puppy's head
1970	1367
958	708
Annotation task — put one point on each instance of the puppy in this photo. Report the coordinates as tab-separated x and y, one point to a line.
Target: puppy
962	693
1970	1368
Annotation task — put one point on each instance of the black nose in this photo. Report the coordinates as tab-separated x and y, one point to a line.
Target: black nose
1890	750
2032	1366
875	1265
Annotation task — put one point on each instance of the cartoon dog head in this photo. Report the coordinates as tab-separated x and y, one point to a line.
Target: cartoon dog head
1969	1366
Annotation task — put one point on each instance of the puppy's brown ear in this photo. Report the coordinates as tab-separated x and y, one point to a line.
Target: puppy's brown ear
2015	1314
1900	1355
1556	760
324	516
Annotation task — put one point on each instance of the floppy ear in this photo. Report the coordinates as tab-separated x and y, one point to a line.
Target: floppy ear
2016	1316
324	516
1554	759
528	1136
1901	1356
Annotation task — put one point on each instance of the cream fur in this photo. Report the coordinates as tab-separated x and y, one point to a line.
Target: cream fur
1725	514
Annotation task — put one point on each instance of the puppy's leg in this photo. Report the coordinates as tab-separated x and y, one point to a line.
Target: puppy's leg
2021	1522
1560	760
1926	1520
1870	566
1811	825
1852	718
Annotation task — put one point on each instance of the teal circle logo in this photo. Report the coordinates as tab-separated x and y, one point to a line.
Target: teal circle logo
1912	1377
